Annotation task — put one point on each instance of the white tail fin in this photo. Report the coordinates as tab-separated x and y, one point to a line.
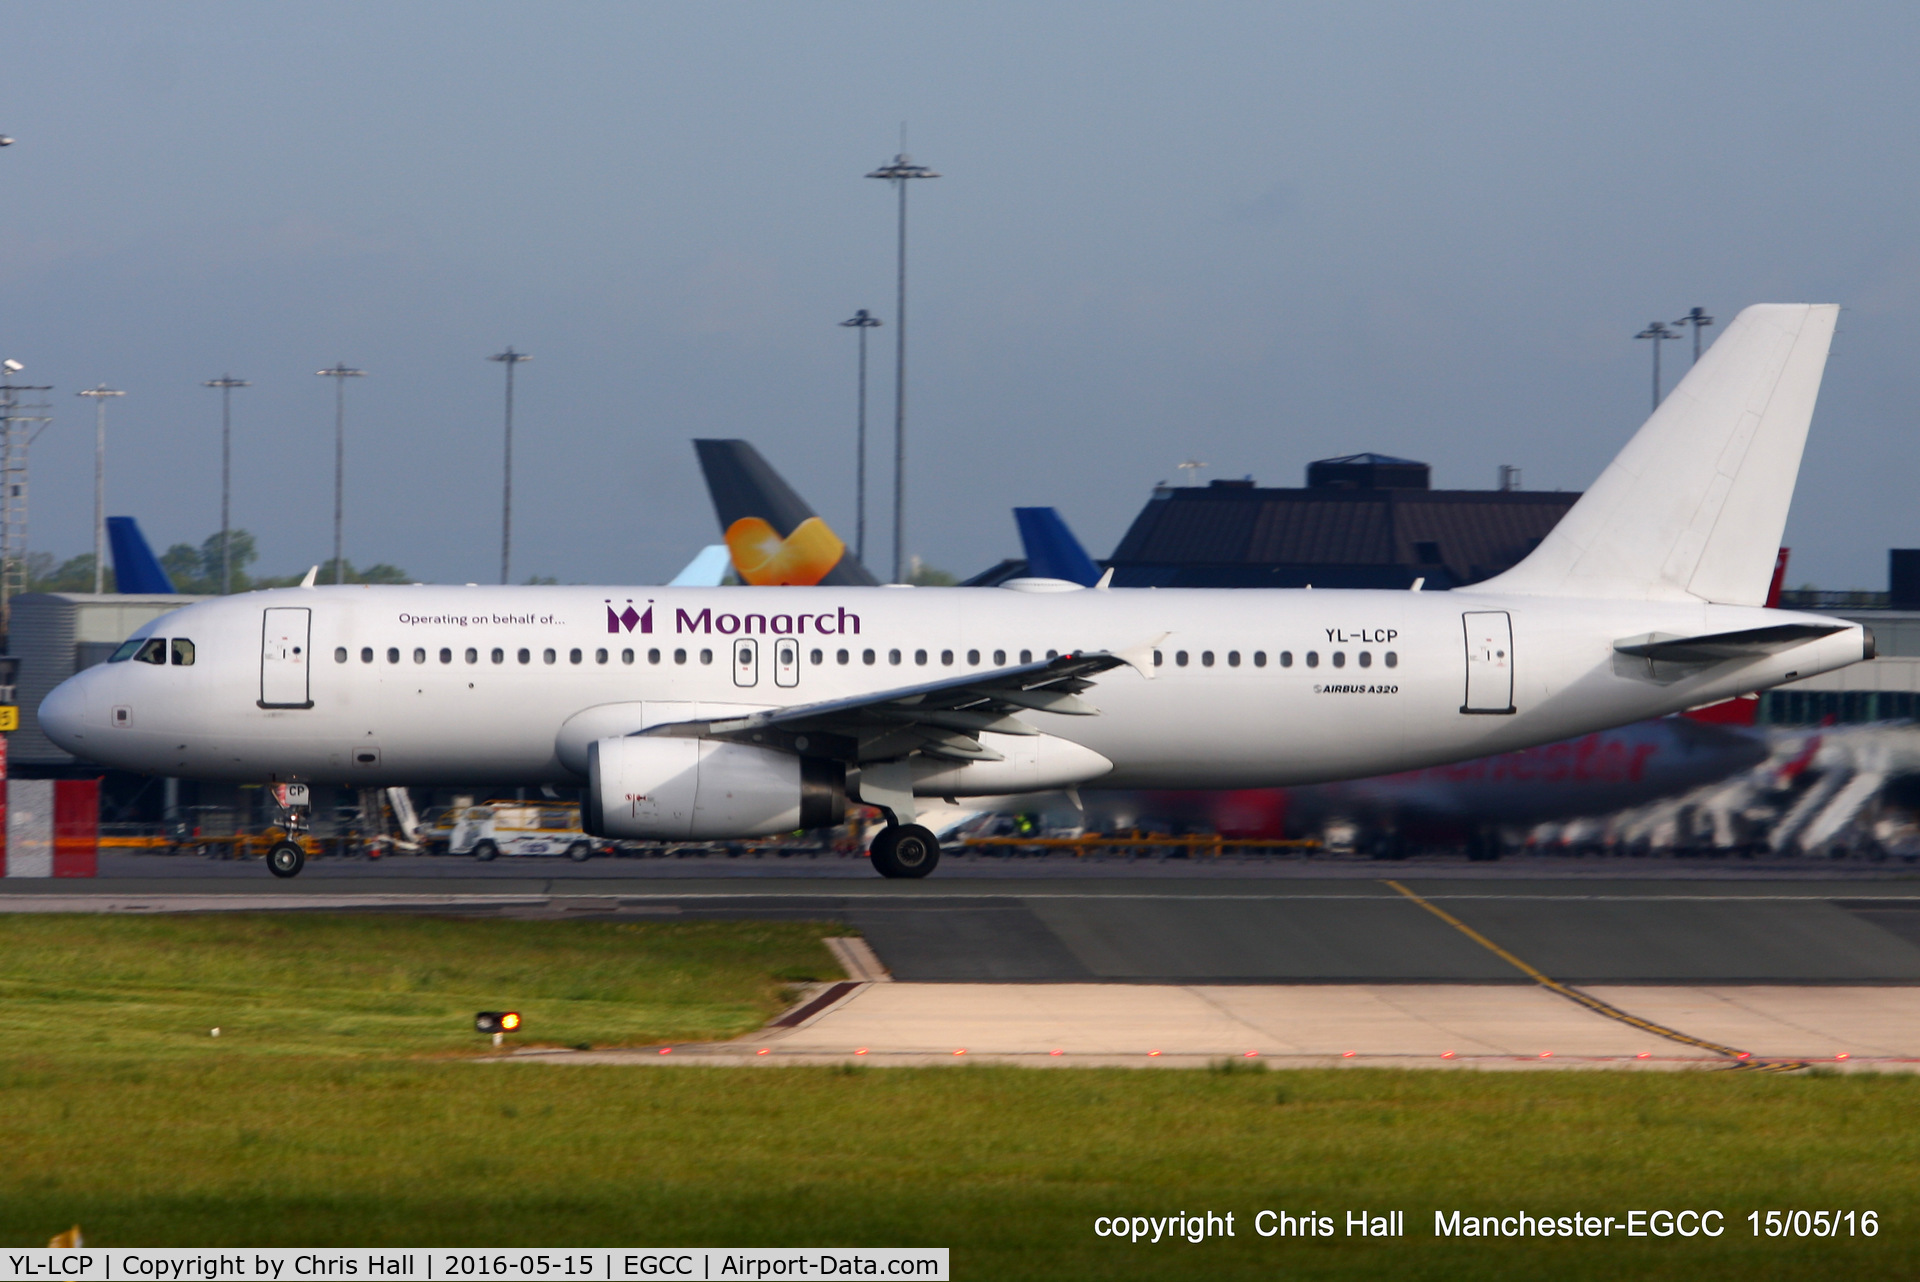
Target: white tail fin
1694	506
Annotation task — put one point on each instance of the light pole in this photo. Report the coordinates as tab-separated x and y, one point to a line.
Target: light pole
1658	333
99	397
509	358
899	172
861	322
339	373
226	383
1698	318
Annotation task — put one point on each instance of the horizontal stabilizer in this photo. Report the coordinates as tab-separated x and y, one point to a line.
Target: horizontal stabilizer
1750	643
1693	507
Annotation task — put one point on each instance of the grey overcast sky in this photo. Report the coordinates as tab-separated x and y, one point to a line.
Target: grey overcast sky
1248	234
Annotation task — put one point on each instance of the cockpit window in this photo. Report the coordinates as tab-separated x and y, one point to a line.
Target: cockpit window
125	652
182	652
152	650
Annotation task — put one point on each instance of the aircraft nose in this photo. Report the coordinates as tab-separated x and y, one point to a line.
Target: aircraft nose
63	715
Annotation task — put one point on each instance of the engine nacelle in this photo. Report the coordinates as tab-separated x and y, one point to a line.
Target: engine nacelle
682	789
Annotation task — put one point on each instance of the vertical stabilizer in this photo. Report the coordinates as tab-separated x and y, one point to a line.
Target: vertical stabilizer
1052	551
745	488
1694	506
135	568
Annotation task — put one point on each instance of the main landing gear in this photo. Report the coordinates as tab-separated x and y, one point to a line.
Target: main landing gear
905	850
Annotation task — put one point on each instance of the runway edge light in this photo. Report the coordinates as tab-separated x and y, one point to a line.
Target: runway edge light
497	1021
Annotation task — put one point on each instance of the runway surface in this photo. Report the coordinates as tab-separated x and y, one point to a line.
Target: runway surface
1206	928
1403	1025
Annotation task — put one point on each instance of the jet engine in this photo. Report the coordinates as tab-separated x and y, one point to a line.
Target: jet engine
675	789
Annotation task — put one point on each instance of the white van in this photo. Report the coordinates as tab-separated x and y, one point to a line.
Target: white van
511	828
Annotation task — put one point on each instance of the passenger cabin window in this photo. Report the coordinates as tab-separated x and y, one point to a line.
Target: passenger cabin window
1233	658
1286	658
1206	658
1366	658
599	656
920	657
999	658
473	655
1393	660
1339	658
182	653
841	656
340	654
1026	656
893	656
525	655
1259	658
499	655
446	655
393	654
366	654
973	658
419	654
815	657
1180	657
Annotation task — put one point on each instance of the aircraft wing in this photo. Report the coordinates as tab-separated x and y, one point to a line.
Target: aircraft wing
1749	643
937	718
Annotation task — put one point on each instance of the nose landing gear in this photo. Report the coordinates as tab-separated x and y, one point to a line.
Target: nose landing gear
286	859
905	850
287	856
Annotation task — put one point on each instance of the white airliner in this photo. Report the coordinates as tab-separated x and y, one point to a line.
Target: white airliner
734	712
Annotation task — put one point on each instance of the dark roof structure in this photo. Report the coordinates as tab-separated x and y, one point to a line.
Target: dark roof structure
1363	521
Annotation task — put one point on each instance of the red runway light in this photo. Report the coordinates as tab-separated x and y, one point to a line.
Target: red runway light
1251	1055
1744	1055
1056	1052
1152	1053
961	1051
762	1051
1644	1055
666	1050
861	1051
1843	1055
1446	1054
1546	1054
1347	1054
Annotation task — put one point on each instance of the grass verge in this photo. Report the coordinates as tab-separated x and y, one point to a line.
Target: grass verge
367	1130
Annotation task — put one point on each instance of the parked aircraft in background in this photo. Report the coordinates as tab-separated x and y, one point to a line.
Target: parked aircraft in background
724	713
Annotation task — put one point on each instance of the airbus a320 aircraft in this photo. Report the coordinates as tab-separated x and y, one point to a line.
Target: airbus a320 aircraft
735	712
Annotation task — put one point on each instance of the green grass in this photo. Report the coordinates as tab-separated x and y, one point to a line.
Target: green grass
376	1134
363	985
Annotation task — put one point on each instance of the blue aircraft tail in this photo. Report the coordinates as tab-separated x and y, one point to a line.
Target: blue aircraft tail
135	568
1052	551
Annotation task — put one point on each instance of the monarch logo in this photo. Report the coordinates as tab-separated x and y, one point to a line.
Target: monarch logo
629	619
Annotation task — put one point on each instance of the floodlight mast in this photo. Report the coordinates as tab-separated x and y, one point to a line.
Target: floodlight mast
99	396
509	358
900	171
1658	333
862	322
1698	318
226	383
339	373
